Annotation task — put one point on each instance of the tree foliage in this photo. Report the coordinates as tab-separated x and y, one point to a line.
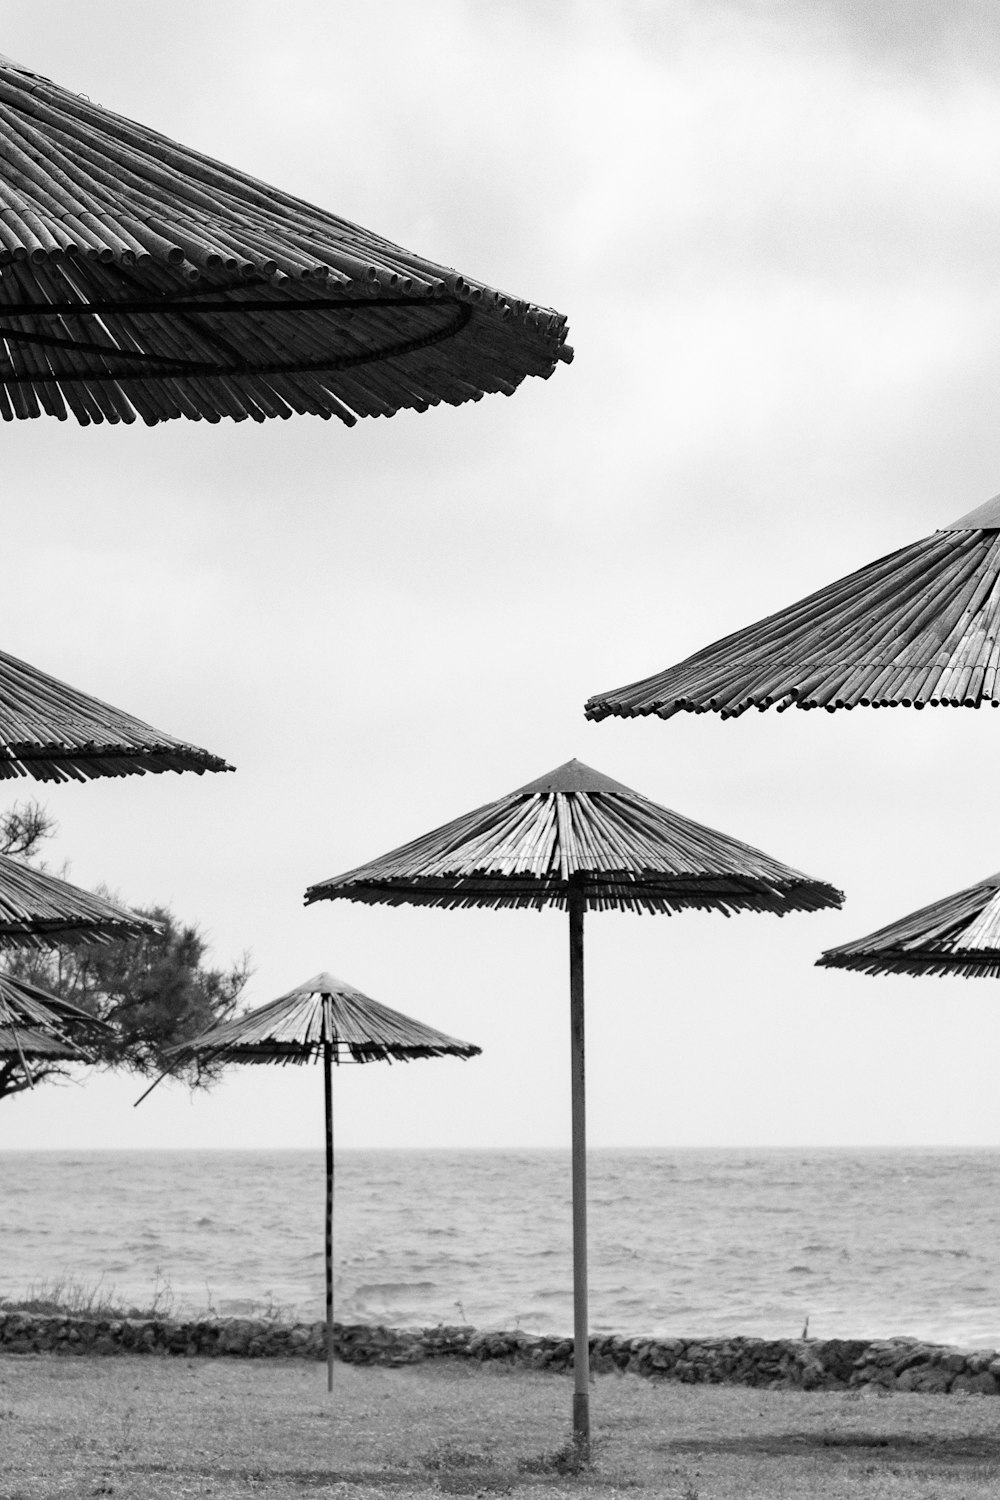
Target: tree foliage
153	991
24	828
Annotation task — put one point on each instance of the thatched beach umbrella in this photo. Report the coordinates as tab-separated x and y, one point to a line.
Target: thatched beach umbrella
24	1003
138	277
20	1046
328	1019
29	1046
32	1028
38	1027
959	934
38	910
918	627
54	732
575	839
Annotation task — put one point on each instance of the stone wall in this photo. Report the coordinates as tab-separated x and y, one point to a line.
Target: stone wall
804	1364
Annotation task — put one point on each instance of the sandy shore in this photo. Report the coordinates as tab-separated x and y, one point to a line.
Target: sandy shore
154	1427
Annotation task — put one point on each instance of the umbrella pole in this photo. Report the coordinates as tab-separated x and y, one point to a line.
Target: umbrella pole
328	1096
581	1341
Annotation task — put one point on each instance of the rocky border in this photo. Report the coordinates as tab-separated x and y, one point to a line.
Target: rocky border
902	1364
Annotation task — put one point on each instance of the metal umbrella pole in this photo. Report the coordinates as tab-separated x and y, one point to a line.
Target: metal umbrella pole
581	1336
328	1094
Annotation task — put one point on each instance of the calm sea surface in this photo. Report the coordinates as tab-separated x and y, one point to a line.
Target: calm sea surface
864	1243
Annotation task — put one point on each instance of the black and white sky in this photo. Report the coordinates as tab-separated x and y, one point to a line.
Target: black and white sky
773	227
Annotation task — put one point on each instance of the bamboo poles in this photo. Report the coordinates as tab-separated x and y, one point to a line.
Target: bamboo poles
577	840
133	269
918	628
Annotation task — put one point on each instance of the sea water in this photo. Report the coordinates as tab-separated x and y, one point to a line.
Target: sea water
696	1242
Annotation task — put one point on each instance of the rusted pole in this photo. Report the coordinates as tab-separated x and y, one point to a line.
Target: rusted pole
581	1344
328	1092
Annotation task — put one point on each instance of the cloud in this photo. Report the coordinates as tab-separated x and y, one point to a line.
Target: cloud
772	227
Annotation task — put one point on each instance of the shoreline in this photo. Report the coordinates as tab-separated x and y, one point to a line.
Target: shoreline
893	1364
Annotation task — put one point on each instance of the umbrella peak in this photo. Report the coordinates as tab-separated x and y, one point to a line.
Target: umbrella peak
573	776
984	518
322	984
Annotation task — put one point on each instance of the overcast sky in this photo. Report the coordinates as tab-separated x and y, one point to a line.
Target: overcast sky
774	229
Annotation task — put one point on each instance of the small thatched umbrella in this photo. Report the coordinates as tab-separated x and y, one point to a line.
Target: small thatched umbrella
138	277
918	627
578	840
38	910
323	1018
957	935
53	732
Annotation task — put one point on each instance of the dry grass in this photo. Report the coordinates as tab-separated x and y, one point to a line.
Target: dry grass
158	1429
88	1299
68	1295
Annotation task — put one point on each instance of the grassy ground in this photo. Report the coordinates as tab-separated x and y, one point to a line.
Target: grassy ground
151	1428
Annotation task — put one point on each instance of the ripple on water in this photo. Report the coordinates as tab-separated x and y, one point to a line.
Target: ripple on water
685	1240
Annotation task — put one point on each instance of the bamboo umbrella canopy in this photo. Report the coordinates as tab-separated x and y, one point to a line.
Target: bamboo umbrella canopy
957	935
37	910
138	277
578	840
325	1019
21	1046
24	1003
918	627
36	1046
36	1027
53	732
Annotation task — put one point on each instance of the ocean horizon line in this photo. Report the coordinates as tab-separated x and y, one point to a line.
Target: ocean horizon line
343	1151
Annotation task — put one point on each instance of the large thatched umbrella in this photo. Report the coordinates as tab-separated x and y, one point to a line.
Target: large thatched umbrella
578	840
918	627
323	1018
38	910
959	934
138	277
54	732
